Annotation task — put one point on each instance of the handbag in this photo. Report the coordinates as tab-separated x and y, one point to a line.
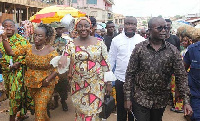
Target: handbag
108	107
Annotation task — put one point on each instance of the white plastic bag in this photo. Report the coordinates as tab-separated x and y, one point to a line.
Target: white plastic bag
68	21
55	61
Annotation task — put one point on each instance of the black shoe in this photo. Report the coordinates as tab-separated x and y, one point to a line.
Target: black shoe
64	106
32	112
48	111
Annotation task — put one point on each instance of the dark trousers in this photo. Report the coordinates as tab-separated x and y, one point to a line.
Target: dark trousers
145	114
61	87
195	104
121	112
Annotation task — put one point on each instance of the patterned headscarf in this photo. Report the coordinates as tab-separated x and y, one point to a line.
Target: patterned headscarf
189	31
82	18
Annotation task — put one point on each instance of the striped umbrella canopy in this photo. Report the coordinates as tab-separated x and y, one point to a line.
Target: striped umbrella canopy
55	14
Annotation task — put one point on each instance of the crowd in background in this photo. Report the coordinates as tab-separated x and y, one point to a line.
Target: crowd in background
148	64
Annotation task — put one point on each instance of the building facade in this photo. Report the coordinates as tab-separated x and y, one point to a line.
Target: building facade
118	19
20	10
100	9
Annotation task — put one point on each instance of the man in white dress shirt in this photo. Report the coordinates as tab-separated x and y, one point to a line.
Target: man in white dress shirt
119	54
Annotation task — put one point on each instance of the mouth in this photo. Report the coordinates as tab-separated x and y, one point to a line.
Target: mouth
129	30
36	41
9	32
163	35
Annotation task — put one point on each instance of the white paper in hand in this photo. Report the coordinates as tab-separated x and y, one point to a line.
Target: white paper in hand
1	30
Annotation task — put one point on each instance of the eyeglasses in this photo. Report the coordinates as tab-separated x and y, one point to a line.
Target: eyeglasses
160	28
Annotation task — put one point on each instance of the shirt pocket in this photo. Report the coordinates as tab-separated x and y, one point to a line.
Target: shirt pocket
195	64
195	70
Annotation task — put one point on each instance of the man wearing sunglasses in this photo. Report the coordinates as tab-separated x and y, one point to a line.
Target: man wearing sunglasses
148	75
120	51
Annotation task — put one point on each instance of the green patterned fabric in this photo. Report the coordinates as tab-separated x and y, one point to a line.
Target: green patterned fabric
59	44
20	99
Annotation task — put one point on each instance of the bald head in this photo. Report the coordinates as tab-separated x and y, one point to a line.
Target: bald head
157	28
153	21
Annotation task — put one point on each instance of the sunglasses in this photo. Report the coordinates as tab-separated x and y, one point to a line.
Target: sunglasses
160	28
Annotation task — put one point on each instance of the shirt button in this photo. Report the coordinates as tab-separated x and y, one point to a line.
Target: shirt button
156	76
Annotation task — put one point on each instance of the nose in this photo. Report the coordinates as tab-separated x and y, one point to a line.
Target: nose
164	30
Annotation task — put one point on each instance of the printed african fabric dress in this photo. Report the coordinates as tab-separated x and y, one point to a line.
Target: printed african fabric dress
39	68
89	64
178	105
19	96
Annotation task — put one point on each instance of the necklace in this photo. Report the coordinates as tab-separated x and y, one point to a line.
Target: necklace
39	49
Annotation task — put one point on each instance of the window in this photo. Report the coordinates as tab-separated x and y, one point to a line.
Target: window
91	1
74	1
120	21
110	16
116	21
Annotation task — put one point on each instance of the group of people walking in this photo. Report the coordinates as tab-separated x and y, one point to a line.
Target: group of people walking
143	68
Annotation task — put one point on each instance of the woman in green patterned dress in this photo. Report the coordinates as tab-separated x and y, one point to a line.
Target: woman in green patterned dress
13	73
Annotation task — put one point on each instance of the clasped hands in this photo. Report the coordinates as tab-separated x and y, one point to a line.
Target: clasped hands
46	82
15	66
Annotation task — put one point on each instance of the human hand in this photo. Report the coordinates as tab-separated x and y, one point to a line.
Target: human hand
128	105
3	33
45	82
69	76
1	30
108	88
15	66
188	110
62	62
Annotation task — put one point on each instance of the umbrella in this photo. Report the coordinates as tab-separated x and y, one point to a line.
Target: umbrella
55	13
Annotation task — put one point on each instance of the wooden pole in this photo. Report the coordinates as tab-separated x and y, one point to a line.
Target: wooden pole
4	8
27	12
15	20
20	14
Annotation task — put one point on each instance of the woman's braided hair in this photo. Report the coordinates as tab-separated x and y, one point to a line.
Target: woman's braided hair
48	31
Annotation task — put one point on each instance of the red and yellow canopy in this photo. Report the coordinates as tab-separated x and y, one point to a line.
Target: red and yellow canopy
55	13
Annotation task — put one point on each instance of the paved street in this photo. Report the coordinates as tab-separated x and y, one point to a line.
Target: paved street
59	115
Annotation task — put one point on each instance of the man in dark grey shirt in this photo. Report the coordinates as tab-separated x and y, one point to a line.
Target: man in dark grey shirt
172	39
110	34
